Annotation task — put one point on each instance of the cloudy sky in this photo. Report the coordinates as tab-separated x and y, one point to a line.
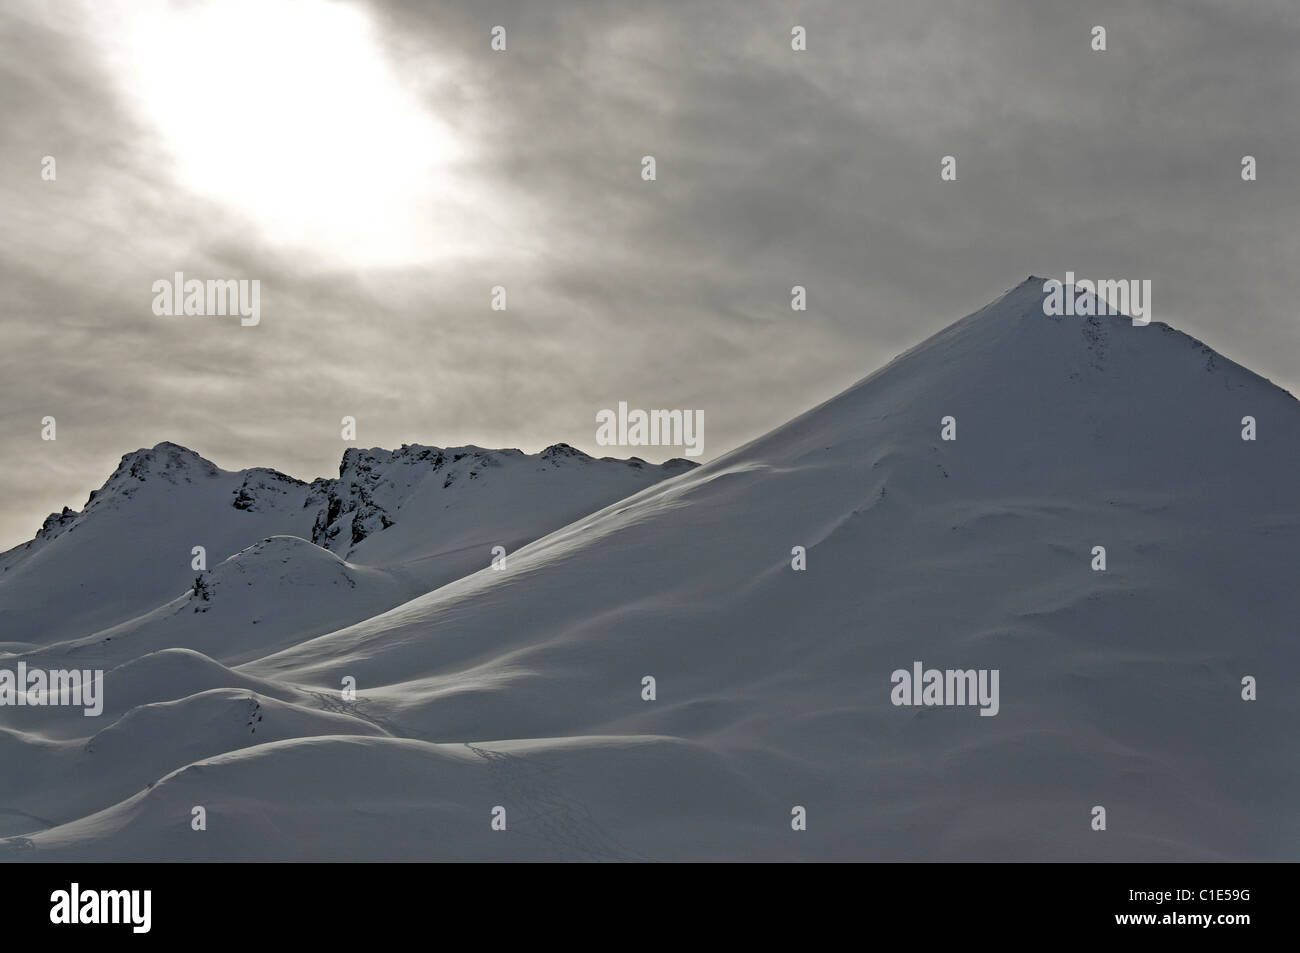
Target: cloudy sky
379	168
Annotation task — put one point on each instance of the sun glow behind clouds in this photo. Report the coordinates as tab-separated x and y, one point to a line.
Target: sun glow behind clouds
289	112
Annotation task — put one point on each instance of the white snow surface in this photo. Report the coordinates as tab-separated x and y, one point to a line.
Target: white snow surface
522	688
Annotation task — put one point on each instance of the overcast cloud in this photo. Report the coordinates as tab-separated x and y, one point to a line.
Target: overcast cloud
775	168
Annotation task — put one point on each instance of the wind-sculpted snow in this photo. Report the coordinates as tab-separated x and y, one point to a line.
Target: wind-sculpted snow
524	688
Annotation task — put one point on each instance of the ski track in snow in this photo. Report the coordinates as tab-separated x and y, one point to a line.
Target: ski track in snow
548	813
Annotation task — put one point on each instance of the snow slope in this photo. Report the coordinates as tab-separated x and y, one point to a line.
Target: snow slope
267	595
523	688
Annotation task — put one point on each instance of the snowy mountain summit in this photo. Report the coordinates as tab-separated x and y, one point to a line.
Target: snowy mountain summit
1023	593
131	547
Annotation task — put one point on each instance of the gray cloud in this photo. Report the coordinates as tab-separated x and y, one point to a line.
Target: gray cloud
775	168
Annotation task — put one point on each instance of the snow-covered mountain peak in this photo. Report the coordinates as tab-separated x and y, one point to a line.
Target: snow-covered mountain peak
167	461
1038	395
422	486
562	451
264	487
